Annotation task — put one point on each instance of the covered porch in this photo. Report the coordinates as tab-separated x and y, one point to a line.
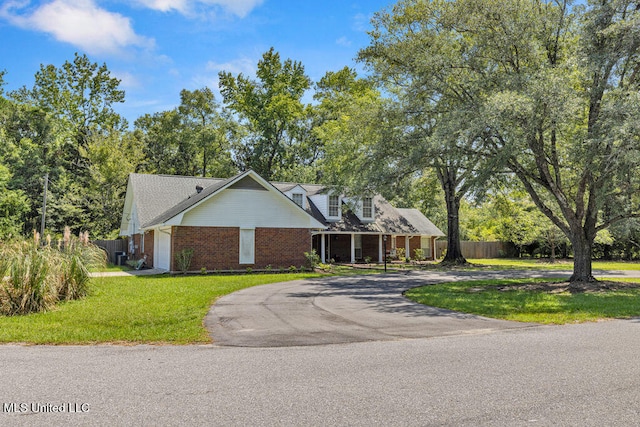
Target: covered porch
350	248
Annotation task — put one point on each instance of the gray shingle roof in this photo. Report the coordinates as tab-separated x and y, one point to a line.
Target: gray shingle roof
155	194
161	197
420	222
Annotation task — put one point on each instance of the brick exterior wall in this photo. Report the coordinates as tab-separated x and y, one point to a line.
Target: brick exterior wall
138	252
370	247
214	248
414	243
218	248
281	247
148	247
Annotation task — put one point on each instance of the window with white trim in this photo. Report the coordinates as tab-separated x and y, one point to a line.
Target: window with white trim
334	206
367	207
297	199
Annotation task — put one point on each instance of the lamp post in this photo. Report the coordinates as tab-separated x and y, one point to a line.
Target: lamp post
384	237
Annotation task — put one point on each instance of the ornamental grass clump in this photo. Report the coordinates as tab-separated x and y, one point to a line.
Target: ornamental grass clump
74	259
34	277
27	285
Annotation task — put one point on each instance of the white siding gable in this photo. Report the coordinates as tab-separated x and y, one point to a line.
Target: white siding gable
248	209
358	205
298	190
322	203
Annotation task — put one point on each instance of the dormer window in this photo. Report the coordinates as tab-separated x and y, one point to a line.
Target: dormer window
367	207
334	206
297	199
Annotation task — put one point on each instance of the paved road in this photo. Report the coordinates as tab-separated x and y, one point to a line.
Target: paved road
345	309
574	375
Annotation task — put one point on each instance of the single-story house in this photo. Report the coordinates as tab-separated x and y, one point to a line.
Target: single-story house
247	221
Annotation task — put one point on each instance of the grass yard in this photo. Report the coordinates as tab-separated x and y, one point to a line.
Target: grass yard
541	264
485	298
141	309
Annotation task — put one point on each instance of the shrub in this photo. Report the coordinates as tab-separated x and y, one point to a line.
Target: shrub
34	278
26	285
419	254
400	253
293	269
325	267
367	259
183	259
75	257
312	259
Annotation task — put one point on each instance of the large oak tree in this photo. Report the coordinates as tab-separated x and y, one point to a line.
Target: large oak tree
548	90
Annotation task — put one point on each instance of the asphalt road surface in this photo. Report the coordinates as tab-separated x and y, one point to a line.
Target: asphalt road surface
582	375
337	310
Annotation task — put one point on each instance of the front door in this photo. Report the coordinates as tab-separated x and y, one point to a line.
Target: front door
163	249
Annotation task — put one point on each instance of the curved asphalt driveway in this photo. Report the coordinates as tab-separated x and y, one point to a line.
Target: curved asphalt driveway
336	310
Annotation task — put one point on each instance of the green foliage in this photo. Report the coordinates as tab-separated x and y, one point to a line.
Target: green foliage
544	90
400	253
418	255
183	259
273	115
36	277
112	157
26	286
193	139
14	205
312	259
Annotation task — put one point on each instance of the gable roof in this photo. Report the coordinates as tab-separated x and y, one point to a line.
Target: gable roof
153	194
420	222
170	196
160	198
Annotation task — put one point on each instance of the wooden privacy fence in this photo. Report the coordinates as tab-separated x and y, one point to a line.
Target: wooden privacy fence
111	247
478	250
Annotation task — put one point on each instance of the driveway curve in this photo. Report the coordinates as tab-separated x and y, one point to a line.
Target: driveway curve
347	309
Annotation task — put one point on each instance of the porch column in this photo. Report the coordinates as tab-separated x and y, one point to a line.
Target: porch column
323	256
353	248
407	250
433	248
380	254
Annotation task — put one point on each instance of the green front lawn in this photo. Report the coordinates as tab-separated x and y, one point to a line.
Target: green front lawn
485	299
142	309
528	263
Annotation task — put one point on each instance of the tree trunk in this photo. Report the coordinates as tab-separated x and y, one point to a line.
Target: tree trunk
582	256
454	248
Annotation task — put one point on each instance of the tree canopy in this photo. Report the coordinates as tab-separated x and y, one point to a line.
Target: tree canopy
546	90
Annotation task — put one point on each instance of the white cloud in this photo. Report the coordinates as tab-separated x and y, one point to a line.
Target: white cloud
240	8
165	5
78	22
343	41
127	80
243	65
209	77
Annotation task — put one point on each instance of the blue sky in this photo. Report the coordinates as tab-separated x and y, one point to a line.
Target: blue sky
159	47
